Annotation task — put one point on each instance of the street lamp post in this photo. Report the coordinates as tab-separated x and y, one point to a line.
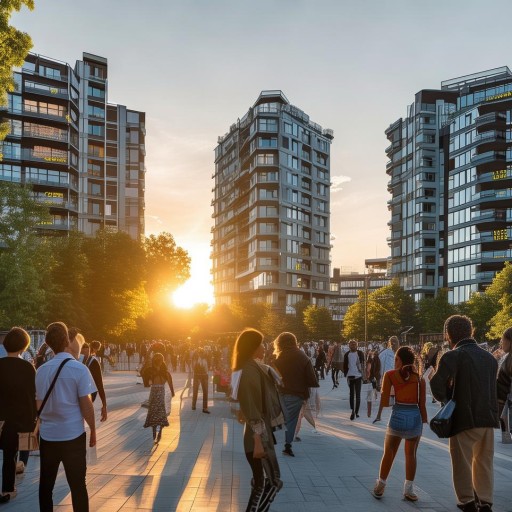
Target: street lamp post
366	310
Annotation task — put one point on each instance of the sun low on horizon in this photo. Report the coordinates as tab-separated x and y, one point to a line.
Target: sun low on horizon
192	293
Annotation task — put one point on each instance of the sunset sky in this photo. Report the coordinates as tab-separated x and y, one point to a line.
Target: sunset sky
196	66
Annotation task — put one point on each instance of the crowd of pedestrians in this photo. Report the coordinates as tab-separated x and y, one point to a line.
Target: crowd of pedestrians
276	386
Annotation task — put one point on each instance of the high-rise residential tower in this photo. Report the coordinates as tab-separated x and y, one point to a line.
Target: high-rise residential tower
271	238
83	156
451	184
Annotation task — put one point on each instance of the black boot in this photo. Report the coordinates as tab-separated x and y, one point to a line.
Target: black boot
468	507
255	499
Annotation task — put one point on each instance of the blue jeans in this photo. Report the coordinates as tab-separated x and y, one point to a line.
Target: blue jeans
292	407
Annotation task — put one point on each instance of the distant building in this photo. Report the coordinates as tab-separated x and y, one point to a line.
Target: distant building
349	286
271	236
450	168
83	156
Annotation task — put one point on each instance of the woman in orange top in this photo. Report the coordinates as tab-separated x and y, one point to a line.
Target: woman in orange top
406	421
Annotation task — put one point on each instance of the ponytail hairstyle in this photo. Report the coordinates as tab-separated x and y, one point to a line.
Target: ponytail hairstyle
408	358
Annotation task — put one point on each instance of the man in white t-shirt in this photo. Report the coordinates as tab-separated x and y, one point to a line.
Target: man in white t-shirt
387	356
62	432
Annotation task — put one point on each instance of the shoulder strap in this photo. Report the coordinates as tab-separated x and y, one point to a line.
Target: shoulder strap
52	385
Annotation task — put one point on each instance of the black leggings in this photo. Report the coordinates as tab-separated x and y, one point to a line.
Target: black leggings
355	389
334	374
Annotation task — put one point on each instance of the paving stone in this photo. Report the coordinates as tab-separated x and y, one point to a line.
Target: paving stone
199	465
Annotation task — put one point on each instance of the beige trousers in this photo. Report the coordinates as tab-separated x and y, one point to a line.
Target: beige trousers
472	453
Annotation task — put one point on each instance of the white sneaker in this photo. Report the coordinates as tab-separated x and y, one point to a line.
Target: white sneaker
315	431
20	467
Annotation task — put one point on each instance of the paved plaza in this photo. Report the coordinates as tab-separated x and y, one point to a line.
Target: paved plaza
200	466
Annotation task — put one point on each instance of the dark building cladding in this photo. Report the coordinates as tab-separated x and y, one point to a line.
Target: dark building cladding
450	164
83	157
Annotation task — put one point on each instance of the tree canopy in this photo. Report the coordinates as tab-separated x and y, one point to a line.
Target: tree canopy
14	46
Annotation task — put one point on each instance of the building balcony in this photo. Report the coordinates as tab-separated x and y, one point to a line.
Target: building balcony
55	227
28	154
486	161
489	216
45	90
491	196
52	115
496	256
486	276
495	176
484	122
39	181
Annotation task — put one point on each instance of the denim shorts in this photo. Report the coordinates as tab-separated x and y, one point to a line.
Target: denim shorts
405	421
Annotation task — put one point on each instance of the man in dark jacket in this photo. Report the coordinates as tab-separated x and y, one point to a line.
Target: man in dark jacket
298	376
469	372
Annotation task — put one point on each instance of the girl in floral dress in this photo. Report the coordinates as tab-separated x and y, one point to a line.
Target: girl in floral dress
157	416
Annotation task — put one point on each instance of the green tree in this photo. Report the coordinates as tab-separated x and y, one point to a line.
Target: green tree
481	308
167	265
387	309
247	313
500	291
14	46
319	322
502	320
275	322
25	260
115	298
432	312
67	290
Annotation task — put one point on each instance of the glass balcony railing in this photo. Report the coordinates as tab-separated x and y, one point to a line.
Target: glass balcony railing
489	256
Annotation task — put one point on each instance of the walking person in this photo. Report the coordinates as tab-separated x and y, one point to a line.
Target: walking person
335	362
255	389
17	404
298	376
372	380
504	386
320	361
158	376
64	384
353	368
469	372
406	421
91	361
200	367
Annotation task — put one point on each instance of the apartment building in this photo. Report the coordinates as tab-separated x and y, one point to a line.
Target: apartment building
450	168
271	233
83	156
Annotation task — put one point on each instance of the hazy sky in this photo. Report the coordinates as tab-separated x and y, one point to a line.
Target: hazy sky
194	67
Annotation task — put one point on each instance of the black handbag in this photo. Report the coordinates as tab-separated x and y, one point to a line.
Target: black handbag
441	423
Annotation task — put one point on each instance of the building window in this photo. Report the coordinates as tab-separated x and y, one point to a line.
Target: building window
49	72
95	91
96	129
95	111
267	125
94	150
10	172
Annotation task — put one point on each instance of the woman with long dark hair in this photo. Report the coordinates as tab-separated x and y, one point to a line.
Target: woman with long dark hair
406	421
158	376
254	387
504	388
